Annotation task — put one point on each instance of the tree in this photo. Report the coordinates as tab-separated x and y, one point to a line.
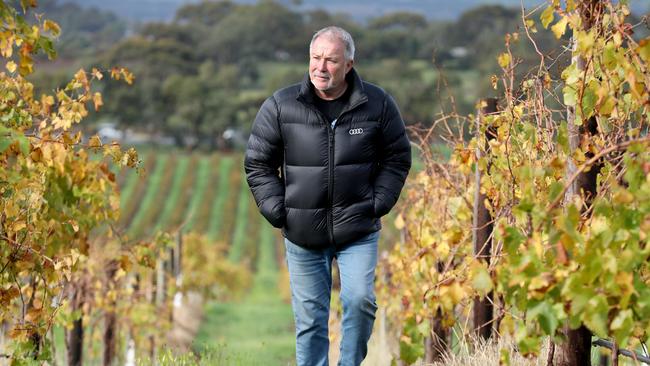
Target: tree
53	193
264	31
207	13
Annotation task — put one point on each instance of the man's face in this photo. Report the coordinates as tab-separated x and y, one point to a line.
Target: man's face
328	66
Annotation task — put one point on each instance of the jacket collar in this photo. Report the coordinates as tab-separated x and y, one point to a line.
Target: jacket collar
357	96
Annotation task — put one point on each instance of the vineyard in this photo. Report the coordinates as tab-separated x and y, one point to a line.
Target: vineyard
207	195
527	229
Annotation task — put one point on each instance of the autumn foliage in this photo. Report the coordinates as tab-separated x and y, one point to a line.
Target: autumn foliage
558	258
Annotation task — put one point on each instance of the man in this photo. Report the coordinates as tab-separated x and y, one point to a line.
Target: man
325	160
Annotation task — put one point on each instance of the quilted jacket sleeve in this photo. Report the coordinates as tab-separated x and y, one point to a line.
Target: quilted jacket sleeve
394	160
264	157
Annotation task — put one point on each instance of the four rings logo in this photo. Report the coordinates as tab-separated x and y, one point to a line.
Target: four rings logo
356	131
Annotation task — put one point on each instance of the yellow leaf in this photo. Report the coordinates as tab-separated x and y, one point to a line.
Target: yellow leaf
504	60
481	280
494	80
623	197
560	27
94	142
60	123
547	16
11	209
128	76
18	225
115	73
458	292
97	74
625	281
644	49
74	254
26	65
33	315
97	99
11	66
81	79
531	26
399	222
51	26
442	249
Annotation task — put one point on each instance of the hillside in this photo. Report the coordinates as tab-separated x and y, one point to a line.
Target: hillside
147	10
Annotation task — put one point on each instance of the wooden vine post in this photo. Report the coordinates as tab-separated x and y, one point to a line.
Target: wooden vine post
483	309
576	349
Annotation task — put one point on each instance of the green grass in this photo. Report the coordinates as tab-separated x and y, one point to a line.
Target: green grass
223	192
259	329
241	224
126	192
266	275
198	193
130	207
202	220
259	333
180	213
172	199
135	227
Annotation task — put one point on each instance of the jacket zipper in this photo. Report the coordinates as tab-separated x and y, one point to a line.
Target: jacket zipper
330	185
330	165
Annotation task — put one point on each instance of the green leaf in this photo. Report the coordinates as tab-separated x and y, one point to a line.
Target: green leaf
48	46
547	16
411	346
563	137
585	41
595	315
589	99
622	326
23	143
410	353
554	190
546	317
481	280
512	239
5	140
572	74
570	97
609	56
525	205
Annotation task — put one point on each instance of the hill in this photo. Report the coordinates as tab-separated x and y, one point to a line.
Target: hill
148	10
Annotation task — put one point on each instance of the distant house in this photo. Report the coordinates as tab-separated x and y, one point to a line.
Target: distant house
459	52
108	131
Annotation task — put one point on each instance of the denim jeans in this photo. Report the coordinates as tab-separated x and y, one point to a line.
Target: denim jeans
310	275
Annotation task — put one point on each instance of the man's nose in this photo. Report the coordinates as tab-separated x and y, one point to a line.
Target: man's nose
322	65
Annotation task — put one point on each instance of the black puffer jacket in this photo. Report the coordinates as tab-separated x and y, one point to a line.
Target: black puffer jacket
327	186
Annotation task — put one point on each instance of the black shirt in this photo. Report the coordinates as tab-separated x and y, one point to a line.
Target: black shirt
331	109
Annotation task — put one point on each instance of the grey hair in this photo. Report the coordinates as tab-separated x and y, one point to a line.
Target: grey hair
341	34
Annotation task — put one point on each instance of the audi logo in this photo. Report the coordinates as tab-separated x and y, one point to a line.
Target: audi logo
356	131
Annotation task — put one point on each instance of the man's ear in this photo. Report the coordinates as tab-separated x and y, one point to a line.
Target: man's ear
348	65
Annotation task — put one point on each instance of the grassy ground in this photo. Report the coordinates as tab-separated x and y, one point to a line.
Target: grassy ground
257	330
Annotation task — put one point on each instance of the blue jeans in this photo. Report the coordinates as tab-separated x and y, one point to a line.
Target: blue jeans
310	275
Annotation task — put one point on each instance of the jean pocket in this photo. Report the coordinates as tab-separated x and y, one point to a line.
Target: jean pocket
294	248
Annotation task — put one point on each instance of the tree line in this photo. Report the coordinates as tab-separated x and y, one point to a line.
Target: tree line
209	69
